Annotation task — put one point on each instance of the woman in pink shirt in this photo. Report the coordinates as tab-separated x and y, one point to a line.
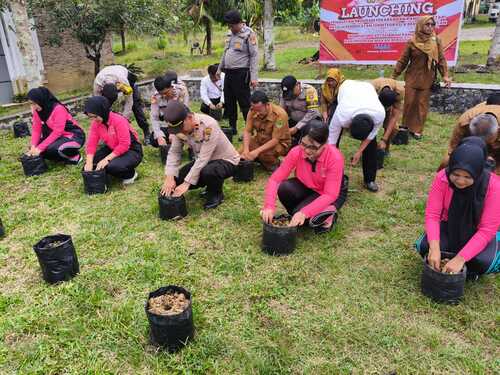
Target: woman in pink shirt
121	152
56	135
463	213
319	188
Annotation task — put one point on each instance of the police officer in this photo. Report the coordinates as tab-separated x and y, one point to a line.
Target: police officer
215	157
266	136
240	64
125	83
167	89
301	103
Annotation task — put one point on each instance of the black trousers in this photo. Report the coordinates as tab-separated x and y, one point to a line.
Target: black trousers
294	195
236	91
65	149
368	160
215	113
154	142
302	132
480	264
124	165
138	109
212	175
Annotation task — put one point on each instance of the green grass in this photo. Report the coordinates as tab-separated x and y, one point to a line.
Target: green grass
481	21
347	302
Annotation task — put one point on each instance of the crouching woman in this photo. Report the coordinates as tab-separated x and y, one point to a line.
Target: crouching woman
121	153
463	213
317	191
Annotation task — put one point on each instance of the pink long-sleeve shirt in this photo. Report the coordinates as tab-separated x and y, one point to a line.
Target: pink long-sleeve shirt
56	122
439	201
326	180
116	135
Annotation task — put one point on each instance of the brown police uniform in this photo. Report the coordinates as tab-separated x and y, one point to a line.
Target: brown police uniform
462	131
418	81
274	125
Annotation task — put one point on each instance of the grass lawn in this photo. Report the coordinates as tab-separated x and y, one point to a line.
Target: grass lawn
346	302
480	22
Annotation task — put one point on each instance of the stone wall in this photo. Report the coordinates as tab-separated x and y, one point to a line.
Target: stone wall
454	100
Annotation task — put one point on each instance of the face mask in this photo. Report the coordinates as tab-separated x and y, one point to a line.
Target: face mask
182	137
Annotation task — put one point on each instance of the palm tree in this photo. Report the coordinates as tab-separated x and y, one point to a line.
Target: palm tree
269	61
494	53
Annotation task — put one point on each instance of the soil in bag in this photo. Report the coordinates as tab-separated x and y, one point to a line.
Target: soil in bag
443	287
170	316
172	208
57	257
244	171
278	238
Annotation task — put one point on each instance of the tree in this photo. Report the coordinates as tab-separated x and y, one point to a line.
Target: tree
494	52
268	23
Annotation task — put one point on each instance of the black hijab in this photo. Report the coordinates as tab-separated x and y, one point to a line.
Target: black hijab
467	204
45	99
98	105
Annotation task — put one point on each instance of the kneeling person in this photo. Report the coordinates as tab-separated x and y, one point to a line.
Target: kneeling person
121	152
215	157
266	136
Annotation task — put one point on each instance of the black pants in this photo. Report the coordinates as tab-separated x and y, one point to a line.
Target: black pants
302	132
66	149
368	160
124	165
236	90
215	113
212	175
138	109
294	195
487	261
154	141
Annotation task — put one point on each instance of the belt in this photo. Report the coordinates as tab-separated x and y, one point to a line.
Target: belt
236	70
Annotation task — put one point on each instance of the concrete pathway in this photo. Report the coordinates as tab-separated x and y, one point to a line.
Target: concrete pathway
483	33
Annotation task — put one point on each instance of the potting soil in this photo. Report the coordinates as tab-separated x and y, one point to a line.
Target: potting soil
168	304
280	222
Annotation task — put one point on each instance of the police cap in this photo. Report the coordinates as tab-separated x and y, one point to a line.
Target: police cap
175	114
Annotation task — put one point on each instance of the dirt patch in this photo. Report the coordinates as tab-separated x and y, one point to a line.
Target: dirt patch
168	304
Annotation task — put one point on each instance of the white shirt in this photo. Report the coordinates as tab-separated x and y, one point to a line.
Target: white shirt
210	90
356	98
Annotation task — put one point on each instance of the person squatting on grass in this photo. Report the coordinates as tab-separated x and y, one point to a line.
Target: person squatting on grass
317	192
56	134
212	92
360	111
266	136
463	213
329	92
215	157
121	152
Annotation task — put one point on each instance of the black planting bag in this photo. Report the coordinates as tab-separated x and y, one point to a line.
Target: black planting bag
244	171
401	137
164	152
21	129
2	229
216	114
57	261
380	158
95	182
33	165
170	332
229	133
443	287
279	240
172	208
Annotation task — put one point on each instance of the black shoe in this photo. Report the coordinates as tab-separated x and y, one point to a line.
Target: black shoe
416	136
213	200
371	186
401	137
317	222
147	139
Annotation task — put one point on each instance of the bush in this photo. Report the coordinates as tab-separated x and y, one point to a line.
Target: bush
161	43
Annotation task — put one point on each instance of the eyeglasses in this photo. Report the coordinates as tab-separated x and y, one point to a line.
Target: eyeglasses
431	24
309	147
91	116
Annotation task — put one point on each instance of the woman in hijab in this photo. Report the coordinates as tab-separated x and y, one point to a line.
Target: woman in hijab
463	213
319	188
422	58
121	152
56	135
329	91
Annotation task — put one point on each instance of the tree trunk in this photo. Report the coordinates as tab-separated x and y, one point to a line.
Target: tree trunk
269	61
494	53
93	53
208	34
32	74
122	35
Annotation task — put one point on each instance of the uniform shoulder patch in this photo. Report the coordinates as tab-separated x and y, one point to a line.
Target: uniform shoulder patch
154	100
280	123
208	133
253	38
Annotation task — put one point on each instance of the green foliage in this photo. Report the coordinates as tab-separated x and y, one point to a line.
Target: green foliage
161	43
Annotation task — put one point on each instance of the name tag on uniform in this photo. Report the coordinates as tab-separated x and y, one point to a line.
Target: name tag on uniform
237	45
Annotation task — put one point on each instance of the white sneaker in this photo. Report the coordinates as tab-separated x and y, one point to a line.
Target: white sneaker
129	181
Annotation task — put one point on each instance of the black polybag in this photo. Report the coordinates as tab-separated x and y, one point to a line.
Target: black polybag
21	129
380	158
172	208
244	171
229	133
58	263
33	165
164	152
279	240
174	331
401	137
443	287
95	182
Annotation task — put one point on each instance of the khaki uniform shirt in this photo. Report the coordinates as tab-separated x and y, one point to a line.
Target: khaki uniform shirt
241	51
114	74
304	107
273	126
394	85
159	104
208	142
418	75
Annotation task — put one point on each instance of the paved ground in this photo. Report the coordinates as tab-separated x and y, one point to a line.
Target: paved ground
483	33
